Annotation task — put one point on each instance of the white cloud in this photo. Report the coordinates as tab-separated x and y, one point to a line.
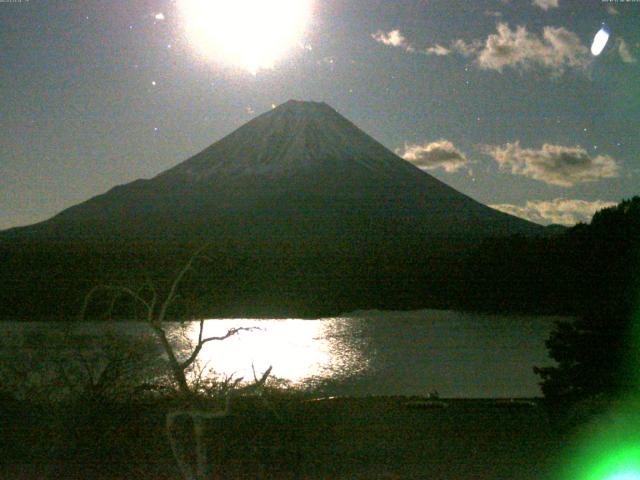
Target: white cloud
557	49
625	53
457	46
546	4
393	38
561	211
438	50
466	49
554	164
441	154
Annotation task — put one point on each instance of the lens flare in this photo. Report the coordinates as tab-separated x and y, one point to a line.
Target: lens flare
625	476
610	449
599	42
252	34
620	464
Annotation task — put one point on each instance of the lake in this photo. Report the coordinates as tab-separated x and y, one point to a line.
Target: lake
459	354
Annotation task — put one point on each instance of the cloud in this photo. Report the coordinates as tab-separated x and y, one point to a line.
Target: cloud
393	38
625	53
561	211
557	49
438	50
466	49
441	154
546	4
457	46
553	164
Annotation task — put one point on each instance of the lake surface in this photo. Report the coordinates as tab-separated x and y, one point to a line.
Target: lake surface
363	353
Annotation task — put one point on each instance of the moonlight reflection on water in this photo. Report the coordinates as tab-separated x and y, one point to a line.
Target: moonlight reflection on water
298	350
466	355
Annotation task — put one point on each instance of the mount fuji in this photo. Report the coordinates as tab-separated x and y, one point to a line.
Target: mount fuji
305	214
299	171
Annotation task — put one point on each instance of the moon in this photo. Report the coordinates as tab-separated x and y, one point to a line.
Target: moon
251	34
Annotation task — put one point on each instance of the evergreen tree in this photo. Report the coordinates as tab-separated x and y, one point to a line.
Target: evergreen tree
599	351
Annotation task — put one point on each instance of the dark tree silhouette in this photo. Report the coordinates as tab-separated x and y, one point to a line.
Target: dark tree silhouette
594	355
598	353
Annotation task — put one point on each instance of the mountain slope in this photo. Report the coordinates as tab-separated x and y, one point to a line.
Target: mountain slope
299	169
305	214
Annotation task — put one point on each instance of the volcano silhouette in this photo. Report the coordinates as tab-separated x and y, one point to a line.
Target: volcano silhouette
305	215
300	171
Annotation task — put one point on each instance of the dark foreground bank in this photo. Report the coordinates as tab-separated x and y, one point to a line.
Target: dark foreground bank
356	438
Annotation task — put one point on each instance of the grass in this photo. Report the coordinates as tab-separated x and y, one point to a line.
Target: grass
350	438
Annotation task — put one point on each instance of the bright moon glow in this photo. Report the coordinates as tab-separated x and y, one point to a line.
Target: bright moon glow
252	34
599	42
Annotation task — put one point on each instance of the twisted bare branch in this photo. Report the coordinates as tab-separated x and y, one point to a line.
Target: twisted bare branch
201	341
176	283
113	288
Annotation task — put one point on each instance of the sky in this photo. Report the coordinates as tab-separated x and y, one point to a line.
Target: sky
501	99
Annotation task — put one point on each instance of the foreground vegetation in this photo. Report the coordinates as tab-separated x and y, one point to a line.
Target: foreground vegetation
356	438
85	413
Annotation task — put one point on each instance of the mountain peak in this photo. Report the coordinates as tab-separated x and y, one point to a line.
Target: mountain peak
296	138
303	104
305	108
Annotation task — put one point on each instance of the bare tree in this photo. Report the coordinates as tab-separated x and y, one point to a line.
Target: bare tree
155	311
155	316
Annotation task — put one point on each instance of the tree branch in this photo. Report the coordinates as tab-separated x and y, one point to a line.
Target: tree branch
154	296
258	383
114	288
230	333
176	282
